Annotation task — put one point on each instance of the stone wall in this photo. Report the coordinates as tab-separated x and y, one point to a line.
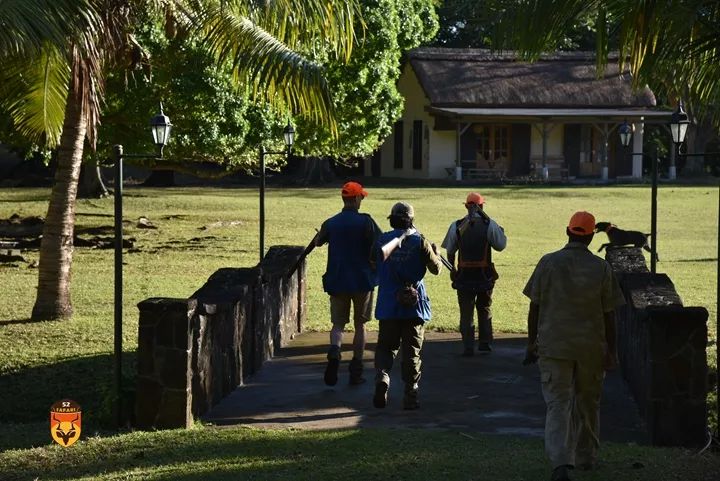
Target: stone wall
209	344
661	345
164	394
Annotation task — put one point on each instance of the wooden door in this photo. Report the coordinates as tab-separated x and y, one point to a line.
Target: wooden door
493	147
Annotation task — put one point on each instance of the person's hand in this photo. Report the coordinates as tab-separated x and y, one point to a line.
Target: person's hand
453	275
531	354
611	362
434	248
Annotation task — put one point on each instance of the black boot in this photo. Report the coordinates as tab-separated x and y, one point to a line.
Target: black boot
356	371
410	400
331	370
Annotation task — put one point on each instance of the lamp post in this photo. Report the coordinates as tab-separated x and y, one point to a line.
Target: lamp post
678	128
160	126
679	123
626	131
289	137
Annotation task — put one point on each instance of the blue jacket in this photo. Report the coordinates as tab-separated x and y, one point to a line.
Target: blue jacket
351	236
407	264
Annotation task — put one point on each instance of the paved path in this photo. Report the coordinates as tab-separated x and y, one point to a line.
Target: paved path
485	393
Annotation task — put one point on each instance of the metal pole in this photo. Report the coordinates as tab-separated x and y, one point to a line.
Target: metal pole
118	154
653	214
262	203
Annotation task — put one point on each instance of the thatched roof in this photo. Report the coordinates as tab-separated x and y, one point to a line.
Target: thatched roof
480	78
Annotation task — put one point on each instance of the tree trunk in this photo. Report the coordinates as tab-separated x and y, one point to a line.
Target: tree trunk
316	171
56	248
91	182
697	140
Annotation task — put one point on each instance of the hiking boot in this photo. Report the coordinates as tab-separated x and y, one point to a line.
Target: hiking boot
331	370
484	348
561	473
356	370
380	397
410	401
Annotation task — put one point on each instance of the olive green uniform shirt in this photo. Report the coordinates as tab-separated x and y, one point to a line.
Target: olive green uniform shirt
574	288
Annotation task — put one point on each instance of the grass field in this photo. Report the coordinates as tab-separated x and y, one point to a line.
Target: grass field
368	454
43	362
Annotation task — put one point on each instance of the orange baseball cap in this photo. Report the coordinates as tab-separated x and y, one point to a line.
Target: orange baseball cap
475	198
353	189
582	223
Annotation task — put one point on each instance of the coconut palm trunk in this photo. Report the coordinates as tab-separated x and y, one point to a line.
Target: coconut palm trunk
56	250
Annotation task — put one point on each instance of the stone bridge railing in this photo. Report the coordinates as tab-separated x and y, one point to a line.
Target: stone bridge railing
661	345
193	352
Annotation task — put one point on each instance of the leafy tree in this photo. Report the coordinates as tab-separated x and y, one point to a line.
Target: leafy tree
54	87
472	24
217	127
364	93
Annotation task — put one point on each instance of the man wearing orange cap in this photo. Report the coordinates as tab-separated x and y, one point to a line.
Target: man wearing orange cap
349	278
473	238
571	331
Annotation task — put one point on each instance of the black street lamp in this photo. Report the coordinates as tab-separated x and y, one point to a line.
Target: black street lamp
679	123
289	137
161	126
626	131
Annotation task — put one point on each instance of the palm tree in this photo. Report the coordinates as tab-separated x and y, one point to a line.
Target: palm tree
64	86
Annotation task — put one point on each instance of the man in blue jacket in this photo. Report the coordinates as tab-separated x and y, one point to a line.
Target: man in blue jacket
349	278
403	306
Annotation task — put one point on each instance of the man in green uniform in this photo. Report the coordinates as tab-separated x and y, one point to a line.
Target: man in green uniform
571	330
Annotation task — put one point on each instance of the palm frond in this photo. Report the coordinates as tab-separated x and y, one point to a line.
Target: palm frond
27	25
271	62
34	92
277	73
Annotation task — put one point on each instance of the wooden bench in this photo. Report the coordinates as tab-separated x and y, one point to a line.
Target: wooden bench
482	174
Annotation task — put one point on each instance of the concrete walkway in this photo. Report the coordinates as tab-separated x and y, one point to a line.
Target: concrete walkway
481	394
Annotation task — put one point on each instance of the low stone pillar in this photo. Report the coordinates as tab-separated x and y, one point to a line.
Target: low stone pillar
661	346
164	391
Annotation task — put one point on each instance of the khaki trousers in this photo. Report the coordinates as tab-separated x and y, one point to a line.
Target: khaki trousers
572	392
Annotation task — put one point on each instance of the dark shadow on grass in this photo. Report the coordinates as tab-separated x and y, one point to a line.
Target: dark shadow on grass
224	455
17	321
92	214
28	393
705	259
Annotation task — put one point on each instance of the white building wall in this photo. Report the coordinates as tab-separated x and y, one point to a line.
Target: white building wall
442	153
435	145
637	140
554	141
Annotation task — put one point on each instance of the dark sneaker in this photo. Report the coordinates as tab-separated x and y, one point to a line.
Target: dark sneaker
356	370
380	397
484	348
468	352
331	370
410	401
561	473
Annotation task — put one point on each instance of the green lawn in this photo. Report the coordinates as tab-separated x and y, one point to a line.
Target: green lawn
368	454
43	362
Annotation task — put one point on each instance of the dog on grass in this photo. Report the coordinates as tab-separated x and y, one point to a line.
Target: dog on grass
619	237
